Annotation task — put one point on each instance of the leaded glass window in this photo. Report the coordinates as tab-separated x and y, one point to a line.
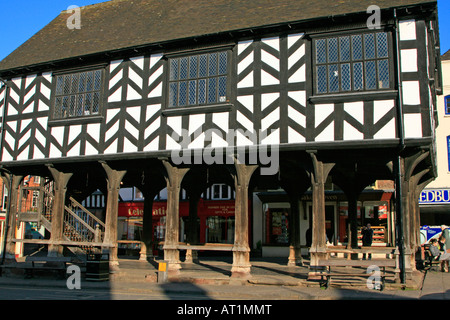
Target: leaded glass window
78	94
348	63
200	79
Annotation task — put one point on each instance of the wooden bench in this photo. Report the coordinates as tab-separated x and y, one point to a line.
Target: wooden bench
58	264
387	251
326	275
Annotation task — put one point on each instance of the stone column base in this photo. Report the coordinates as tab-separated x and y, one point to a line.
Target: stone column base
314	269
146	252
172	256
295	257
146	257
241	264
191	256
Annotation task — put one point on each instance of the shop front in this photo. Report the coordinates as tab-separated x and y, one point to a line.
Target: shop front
215	219
273	235
374	212
434	207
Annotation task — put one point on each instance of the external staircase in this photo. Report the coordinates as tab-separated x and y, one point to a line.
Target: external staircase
80	225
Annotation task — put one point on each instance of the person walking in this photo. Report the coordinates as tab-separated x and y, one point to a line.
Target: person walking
367	239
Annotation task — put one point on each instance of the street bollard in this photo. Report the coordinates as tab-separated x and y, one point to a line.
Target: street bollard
163	268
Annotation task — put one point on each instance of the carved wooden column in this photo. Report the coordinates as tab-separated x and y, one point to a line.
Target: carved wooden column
147	225
352	198
353	178
61	179
419	189
295	253
13	183
295	180
195	183
192	225
241	250
150	190
113	178
319	175
173	179
407	180
294	189
414	214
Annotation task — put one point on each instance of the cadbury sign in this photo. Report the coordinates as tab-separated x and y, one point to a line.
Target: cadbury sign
435	196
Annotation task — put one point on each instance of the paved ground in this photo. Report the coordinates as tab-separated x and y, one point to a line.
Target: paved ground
210	280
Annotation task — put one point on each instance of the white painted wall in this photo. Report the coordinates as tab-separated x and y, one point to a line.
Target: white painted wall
443	130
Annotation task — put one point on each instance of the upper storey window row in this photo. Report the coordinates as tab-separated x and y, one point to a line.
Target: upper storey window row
199	79
78	94
345	63
356	62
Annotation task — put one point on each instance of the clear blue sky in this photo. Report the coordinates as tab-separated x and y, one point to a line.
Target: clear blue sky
21	19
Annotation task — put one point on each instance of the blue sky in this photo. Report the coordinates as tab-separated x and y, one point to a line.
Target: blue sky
21	19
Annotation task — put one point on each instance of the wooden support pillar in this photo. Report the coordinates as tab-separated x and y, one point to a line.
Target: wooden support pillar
352	199
61	179
294	189
173	180
414	220
13	183
241	250
195	183
295	254
419	190
295	181
149	190
353	181
192	226
146	252
113	178
319	175
407	180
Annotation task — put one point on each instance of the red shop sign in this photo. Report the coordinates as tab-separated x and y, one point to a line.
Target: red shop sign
131	209
205	208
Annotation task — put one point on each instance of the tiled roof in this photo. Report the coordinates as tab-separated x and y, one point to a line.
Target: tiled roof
120	24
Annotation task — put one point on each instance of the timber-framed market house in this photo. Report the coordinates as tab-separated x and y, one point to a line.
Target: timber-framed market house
257	95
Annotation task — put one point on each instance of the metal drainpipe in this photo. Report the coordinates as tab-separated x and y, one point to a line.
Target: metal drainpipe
398	184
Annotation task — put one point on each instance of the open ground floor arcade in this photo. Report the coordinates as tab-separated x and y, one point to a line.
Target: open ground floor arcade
314	204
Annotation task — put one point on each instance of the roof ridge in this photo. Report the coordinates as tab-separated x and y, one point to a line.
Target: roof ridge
94	4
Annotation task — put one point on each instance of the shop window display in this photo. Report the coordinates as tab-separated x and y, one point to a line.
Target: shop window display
220	229
277	226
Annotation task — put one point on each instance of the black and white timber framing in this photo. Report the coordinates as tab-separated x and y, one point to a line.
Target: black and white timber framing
270	92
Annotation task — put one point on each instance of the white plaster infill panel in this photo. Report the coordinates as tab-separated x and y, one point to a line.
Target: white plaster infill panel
411	93
409	60
413	125
322	112
407	30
